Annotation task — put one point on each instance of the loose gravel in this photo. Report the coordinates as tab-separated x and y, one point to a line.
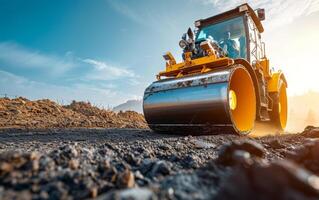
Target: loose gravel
140	164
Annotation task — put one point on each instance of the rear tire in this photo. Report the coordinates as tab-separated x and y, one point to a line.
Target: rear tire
280	108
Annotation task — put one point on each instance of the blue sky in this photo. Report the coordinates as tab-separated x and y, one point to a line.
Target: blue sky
108	51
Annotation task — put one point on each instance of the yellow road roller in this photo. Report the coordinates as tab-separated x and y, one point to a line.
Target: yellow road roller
224	83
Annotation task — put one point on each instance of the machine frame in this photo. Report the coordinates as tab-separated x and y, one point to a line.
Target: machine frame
266	81
213	88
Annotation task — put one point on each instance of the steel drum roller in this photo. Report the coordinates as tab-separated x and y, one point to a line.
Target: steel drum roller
220	99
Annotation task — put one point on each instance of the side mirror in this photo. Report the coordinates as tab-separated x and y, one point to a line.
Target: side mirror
261	14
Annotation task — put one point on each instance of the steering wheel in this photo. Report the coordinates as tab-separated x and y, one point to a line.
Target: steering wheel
222	45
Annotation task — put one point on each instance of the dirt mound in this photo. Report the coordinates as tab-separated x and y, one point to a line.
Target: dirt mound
23	113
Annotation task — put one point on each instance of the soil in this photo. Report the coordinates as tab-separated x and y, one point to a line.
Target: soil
53	159
23	113
140	164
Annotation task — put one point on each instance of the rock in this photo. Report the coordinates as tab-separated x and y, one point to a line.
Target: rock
34	155
225	154
69	151
156	168
179	146
46	162
311	132
140	179
160	168
94	192
35	165
307	155
126	179
165	147
44	195
16	111
146	166
188	186
278	180
74	164
133	194
138	175
131	159
200	144
298	177
191	161
4	113
241	157
5	168
275	144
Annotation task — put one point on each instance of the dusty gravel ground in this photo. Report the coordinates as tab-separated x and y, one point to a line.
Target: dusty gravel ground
140	164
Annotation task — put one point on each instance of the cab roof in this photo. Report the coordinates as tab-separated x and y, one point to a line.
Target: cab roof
240	10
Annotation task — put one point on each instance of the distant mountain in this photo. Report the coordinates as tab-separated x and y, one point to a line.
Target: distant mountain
133	105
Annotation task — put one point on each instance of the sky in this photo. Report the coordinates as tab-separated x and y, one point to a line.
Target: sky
108	51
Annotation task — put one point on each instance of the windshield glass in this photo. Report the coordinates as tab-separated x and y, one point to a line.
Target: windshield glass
230	36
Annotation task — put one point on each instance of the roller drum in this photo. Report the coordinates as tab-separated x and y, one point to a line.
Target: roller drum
223	100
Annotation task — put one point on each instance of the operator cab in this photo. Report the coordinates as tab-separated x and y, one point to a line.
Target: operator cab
230	36
235	33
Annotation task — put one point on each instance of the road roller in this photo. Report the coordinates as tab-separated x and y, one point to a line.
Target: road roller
224	83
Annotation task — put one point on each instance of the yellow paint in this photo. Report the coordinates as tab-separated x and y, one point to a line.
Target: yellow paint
232	100
275	81
199	65
169	58
283	106
264	63
243	116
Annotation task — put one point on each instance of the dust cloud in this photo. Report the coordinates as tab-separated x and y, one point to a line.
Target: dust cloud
303	111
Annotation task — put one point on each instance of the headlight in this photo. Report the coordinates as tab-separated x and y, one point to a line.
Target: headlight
183	44
190	40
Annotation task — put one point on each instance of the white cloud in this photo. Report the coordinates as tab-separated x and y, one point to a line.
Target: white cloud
100	96
278	12
13	54
104	71
93	80
9	78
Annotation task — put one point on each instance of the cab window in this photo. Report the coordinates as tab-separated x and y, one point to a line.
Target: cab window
229	34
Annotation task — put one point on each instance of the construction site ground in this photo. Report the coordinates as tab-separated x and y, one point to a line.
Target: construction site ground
123	159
